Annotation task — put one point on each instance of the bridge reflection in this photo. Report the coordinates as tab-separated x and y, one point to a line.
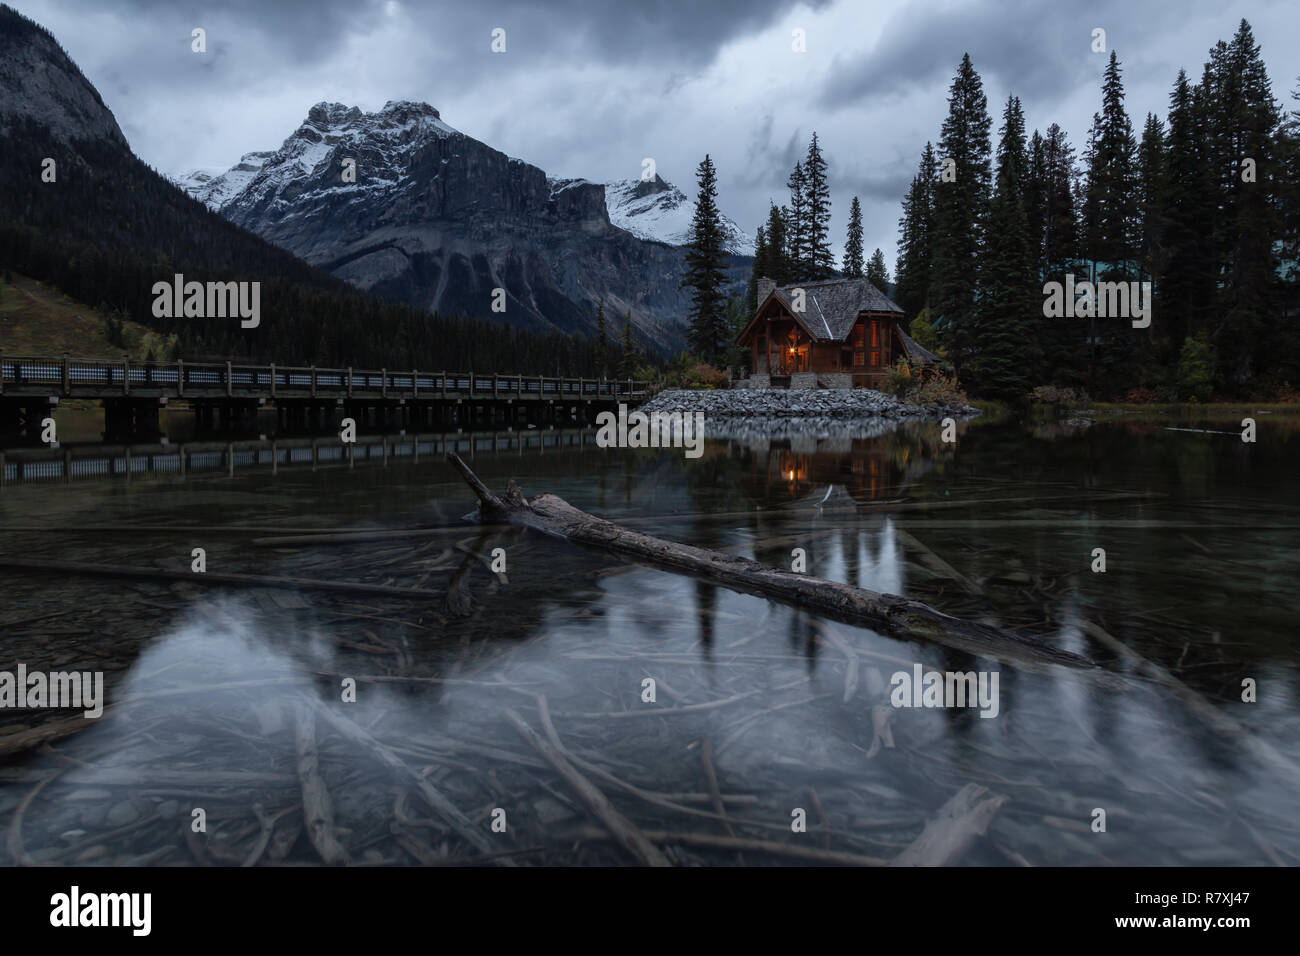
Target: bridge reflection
69	463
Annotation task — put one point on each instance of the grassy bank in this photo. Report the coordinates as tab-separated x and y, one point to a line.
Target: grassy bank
38	321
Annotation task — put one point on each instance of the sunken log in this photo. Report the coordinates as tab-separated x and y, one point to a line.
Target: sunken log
897	616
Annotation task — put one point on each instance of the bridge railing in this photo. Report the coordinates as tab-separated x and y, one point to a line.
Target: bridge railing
67	375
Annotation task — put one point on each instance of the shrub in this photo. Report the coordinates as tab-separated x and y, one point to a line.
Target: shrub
900	379
939	388
697	375
1196	363
1286	394
1141	396
1054	395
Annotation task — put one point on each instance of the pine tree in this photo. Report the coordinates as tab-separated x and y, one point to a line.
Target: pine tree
878	272
1109	234
796	225
778	251
1061	341
1010	303
627	364
1149	190
1289	246
602	341
913	273
762	267
820	261
1242	132
1036	195
853	242
706	264
960	214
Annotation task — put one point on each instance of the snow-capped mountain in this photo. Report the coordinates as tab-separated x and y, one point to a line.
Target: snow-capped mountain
657	210
216	187
438	219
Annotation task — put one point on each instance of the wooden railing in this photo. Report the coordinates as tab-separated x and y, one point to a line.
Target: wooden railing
99	378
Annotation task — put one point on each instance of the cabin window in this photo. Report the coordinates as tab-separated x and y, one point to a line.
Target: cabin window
846	358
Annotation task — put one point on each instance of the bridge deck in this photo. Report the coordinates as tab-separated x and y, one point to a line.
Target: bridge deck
89	378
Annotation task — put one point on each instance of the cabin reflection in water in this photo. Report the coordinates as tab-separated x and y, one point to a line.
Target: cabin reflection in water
864	469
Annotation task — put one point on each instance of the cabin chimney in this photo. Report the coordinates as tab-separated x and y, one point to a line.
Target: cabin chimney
765	287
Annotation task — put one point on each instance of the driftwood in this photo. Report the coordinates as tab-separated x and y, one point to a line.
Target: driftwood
317	807
445	809
623	830
898	616
950	834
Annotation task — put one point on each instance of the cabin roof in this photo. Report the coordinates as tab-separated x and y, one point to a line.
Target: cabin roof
831	306
915	350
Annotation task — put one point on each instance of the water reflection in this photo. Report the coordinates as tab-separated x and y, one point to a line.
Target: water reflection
796	709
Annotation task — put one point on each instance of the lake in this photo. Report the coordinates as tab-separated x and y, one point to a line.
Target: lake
477	720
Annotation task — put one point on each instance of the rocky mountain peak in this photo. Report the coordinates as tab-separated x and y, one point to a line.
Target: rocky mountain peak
39	81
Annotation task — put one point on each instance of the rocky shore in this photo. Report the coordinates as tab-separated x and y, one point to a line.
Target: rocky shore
779	412
833	403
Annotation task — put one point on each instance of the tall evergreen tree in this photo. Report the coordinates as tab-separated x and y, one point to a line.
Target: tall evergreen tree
1109	233
778	247
1243	124
878	272
1149	183
913	271
796	225
762	265
1010	300
706	264
627	363
602	341
1036	195
1289	246
960	214
817	195
853	241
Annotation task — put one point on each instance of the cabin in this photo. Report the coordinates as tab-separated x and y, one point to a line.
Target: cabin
846	335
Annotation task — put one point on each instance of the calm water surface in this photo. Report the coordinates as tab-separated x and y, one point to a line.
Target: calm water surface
790	714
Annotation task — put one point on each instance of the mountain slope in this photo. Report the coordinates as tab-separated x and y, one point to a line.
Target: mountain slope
440	220
108	228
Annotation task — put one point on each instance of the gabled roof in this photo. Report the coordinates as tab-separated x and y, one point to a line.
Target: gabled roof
831	306
915	350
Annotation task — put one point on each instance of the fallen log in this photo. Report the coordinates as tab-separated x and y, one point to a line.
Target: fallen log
897	616
960	821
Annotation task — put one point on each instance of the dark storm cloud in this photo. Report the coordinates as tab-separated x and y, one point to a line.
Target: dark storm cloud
1037	51
685	32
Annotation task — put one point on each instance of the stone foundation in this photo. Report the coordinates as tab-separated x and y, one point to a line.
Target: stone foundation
835	379
803	380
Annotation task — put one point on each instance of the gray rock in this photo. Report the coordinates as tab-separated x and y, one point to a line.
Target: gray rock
123	813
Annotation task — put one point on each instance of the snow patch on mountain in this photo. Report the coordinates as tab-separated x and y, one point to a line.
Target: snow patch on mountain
216	187
380	143
655	209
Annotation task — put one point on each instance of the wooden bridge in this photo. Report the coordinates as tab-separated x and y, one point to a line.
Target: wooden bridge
229	394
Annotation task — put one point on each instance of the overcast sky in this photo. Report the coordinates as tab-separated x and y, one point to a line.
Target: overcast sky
591	87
